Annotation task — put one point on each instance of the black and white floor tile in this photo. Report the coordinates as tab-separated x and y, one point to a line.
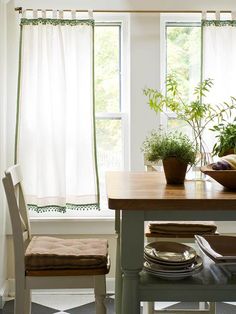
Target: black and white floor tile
61	304
84	304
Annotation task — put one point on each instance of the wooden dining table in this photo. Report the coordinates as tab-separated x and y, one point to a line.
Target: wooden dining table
137	197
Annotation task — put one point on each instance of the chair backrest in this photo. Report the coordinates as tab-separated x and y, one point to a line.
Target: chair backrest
18	212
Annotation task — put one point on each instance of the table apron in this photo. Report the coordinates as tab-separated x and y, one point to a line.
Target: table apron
218	215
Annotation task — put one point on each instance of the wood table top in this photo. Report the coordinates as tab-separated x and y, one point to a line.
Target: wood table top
149	191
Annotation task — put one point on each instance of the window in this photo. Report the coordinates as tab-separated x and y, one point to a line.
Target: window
181	53
108	101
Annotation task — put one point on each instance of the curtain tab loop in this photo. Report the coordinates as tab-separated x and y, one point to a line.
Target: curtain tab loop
217	14
44	14
35	14
60	14
233	15
73	14
204	15
90	14
54	14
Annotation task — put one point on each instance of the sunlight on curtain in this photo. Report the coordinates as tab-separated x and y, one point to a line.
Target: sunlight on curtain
219	62
56	137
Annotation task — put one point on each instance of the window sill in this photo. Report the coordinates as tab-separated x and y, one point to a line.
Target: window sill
70	226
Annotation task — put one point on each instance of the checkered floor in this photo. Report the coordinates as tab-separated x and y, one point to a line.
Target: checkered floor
84	304
61	304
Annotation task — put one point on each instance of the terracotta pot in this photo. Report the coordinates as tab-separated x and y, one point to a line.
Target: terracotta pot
175	170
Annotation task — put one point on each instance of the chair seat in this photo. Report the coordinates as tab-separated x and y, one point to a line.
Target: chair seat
69	272
180	228
41	261
51	253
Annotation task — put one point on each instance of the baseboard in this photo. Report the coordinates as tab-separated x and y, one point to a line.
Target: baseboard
4	291
110	283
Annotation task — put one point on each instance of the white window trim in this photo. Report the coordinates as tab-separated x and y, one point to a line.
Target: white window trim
165	18
69	226
110	116
123	20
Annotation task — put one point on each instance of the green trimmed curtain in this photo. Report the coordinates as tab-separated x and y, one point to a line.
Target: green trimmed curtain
218	56
219	61
55	131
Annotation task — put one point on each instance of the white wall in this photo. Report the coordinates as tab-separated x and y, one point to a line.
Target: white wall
3	251
144	72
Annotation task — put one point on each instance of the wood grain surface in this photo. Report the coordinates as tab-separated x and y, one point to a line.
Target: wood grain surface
149	191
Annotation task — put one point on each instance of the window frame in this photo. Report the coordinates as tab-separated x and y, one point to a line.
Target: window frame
177	19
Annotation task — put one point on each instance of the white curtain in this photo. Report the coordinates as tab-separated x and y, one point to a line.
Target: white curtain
219	62
55	138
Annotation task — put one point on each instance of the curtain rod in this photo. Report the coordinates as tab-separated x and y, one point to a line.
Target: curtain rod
20	9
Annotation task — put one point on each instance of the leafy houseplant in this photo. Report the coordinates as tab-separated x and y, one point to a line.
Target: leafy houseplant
196	113
226	139
174	149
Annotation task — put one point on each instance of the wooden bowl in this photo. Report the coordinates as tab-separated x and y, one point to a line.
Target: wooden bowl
227	178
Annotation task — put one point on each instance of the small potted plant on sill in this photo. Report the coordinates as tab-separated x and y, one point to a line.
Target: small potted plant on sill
226	139
174	149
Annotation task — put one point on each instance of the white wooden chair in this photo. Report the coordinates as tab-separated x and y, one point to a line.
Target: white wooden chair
60	276
204	307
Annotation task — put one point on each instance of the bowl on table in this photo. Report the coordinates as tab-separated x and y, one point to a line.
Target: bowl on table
227	178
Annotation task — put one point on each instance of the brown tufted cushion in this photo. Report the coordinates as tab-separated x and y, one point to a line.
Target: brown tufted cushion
55	253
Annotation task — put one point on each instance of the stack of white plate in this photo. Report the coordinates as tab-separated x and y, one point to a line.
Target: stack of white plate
171	260
221	249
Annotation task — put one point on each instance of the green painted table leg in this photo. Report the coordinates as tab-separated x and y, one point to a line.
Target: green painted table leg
118	281
132	244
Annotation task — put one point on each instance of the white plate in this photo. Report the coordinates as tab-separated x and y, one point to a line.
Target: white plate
186	270
166	265
171	252
174	275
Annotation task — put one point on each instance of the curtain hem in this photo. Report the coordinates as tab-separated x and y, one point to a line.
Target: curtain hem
62	209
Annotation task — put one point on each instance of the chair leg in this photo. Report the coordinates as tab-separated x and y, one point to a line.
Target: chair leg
148	307
212	308
19	307
100	294
27	301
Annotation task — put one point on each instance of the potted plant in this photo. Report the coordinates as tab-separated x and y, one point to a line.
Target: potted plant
226	139
174	149
196	113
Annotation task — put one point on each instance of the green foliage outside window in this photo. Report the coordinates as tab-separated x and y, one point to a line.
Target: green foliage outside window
184	56
107	69
107	95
